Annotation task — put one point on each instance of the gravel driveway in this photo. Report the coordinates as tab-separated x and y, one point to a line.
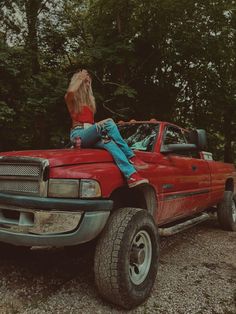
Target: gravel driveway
197	274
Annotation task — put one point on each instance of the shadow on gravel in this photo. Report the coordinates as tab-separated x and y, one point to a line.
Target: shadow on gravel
211	224
37	275
42	272
182	238
58	266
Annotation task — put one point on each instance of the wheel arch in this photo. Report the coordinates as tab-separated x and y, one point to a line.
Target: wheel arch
143	196
229	185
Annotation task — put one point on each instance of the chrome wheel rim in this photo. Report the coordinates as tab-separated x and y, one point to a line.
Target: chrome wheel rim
140	257
234	211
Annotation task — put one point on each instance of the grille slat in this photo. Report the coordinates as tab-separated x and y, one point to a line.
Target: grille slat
19	186
22	176
19	170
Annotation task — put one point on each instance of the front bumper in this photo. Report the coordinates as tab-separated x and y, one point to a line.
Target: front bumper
37	221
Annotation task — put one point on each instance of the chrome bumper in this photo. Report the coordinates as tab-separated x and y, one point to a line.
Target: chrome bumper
20	225
38	222
90	226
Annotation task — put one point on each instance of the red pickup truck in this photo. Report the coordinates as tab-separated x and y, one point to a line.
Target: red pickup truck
66	197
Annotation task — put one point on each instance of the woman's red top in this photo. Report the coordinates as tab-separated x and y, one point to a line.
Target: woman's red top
84	116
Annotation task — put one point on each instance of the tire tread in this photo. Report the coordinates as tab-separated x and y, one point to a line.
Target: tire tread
106	266
224	212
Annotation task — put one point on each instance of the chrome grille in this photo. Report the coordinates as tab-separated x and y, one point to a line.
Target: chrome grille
19	186
21	170
22	175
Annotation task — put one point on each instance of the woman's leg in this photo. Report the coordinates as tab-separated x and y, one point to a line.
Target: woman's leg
120	159
89	137
112	131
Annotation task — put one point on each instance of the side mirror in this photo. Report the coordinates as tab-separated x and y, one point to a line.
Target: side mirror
199	138
178	148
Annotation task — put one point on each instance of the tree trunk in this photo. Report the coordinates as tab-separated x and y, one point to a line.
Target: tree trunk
228	151
120	68
32	8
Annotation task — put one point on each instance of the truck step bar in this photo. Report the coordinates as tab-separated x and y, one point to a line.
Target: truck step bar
165	232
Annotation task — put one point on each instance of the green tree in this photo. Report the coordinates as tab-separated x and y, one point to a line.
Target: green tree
173	60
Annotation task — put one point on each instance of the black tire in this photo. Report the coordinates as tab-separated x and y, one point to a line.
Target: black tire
124	268
226	211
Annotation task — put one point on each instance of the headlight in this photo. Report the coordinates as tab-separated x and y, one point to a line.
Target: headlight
89	189
65	188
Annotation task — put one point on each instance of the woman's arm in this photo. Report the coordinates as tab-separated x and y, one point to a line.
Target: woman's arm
74	85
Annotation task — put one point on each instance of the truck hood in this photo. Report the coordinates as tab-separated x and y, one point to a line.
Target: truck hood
63	157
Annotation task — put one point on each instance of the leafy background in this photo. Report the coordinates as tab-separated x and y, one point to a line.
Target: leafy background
171	60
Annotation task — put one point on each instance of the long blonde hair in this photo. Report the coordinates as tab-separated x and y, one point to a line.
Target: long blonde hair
84	96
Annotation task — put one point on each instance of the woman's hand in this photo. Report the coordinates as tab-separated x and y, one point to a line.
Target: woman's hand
77	80
83	75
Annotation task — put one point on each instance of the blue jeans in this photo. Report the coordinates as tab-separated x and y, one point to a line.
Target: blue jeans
116	146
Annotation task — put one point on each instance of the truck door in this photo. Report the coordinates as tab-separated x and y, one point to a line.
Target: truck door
184	179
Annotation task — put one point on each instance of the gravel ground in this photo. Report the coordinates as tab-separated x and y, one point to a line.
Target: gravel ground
197	274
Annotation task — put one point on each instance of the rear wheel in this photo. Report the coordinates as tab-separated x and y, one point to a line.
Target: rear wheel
126	257
226	211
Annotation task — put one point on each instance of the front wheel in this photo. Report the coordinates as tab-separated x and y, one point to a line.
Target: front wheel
126	257
226	211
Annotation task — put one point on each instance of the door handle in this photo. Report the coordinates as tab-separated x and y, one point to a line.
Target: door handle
194	167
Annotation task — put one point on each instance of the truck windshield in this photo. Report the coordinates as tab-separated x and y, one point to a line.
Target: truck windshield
140	136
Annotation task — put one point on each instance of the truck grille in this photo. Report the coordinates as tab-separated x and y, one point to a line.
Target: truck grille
21	175
21	170
19	186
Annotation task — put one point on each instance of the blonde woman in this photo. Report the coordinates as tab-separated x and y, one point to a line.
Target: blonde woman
85	133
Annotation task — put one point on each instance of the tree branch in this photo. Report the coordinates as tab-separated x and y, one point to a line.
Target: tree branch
42	7
110	110
106	83
68	57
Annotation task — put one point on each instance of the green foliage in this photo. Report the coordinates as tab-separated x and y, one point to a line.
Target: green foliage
6	113
173	60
